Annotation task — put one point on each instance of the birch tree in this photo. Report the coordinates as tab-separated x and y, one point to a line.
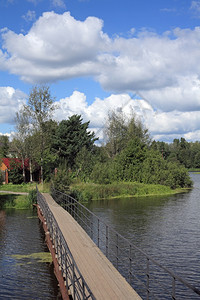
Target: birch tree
40	109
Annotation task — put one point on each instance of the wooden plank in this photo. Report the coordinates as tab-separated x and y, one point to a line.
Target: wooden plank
101	276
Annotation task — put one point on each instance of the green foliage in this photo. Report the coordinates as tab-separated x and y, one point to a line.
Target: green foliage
102	173
32	196
180	151
4	146
1	177
62	180
177	176
76	194
128	162
153	168
120	130
85	161
40	108
15	173
14	201
70	137
91	191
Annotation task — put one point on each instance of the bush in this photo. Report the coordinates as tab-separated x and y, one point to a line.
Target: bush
32	196
15	173
1	178
76	194
102	173
62	180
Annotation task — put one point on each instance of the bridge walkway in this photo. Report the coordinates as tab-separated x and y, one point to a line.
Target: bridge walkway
101	276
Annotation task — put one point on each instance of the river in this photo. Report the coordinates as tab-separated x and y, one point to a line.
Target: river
167	228
25	268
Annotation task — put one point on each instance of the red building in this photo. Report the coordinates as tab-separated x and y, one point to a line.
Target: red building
6	164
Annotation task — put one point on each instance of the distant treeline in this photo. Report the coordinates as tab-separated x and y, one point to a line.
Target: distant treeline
187	153
69	148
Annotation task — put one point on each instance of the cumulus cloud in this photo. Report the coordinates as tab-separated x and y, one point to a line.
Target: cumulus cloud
163	68
56	47
10	102
162	125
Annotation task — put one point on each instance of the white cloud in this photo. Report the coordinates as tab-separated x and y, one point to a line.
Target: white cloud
161	125
164	68
58	3
6	134
195	6
29	16
10	102
56	47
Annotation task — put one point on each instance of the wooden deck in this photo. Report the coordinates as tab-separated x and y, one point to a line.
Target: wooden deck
105	282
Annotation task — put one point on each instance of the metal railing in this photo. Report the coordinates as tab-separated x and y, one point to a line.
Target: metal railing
75	282
147	276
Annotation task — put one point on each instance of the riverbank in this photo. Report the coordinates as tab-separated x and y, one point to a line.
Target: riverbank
19	196
14	200
91	191
25	187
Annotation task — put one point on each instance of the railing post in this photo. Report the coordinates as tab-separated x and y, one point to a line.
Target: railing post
117	250
147	274
73	280
173	288
91	229
130	264
106	240
98	238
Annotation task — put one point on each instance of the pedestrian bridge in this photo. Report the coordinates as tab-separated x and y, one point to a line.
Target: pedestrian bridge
89	256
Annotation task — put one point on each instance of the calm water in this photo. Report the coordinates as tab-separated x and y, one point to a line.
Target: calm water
26	278
167	228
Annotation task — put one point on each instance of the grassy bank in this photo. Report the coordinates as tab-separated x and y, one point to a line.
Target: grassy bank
15	201
90	191
197	170
84	192
25	187
8	200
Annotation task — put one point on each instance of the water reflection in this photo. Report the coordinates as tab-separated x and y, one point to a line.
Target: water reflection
21	234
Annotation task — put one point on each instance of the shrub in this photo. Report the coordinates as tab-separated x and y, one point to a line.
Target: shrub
62	180
15	173
32	196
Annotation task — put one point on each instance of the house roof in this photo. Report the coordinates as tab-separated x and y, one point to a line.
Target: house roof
8	161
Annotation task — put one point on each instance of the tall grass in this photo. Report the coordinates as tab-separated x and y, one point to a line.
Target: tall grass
25	187
14	201
90	191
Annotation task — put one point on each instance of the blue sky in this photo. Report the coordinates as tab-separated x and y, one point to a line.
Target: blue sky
141	57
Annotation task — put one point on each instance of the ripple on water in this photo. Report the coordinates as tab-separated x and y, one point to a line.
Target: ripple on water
25	268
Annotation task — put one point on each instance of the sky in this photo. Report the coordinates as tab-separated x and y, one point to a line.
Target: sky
135	56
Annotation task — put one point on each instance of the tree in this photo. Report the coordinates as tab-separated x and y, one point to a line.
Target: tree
70	137
40	108
19	142
15	173
119	131
4	145
129	161
115	133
